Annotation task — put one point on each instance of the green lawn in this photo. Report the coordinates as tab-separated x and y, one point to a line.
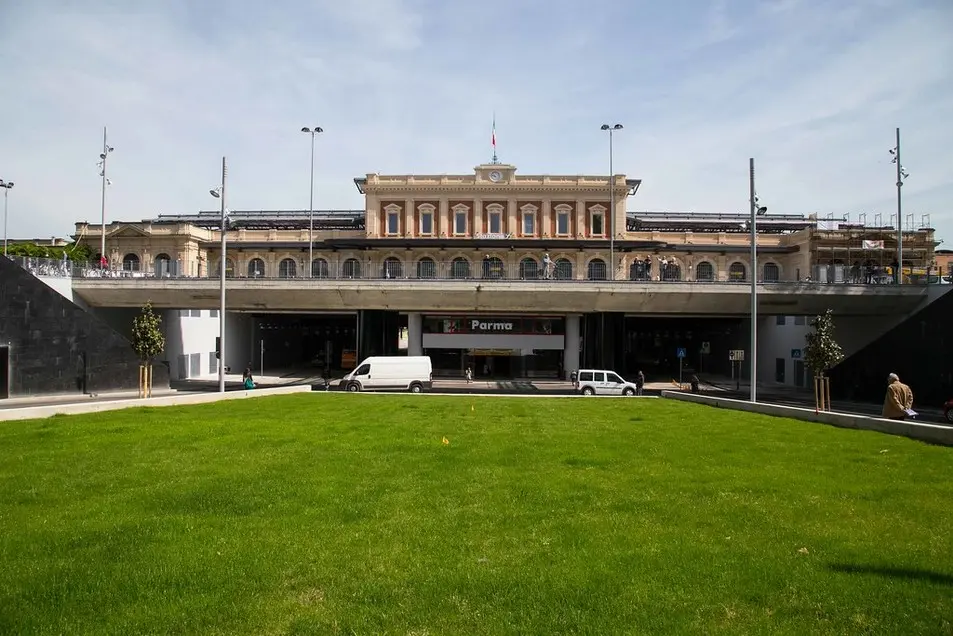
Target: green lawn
347	514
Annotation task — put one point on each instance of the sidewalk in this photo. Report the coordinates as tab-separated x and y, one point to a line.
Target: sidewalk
77	398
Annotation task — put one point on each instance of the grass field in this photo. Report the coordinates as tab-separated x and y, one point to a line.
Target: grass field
341	514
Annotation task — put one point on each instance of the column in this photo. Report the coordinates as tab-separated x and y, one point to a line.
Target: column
409	229
580	218
571	346
443	219
512	222
546	219
415	334
477	217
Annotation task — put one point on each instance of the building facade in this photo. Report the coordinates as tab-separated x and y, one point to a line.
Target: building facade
495	224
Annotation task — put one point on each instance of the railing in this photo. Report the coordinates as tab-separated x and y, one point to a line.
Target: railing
557	272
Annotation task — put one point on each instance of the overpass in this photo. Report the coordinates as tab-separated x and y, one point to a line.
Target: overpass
482	295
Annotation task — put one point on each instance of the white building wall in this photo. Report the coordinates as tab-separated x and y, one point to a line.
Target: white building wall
190	342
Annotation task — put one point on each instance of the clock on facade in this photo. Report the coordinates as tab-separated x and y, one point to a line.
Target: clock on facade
496	175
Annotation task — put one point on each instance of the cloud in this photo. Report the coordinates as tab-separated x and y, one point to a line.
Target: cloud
812	88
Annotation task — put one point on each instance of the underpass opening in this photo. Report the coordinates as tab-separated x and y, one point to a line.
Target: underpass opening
304	345
652	344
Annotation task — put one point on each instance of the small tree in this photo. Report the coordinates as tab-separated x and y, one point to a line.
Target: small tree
148	342
820	354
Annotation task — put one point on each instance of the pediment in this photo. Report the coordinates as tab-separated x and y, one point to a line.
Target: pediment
128	231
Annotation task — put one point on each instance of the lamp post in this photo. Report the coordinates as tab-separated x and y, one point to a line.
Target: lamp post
756	211
7	186
219	193
901	176
102	173
311	131
611	129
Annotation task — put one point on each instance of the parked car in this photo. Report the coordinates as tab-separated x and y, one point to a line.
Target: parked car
389	373
603	382
948	411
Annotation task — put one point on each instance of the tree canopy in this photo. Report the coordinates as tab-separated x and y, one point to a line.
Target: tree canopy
148	340
822	351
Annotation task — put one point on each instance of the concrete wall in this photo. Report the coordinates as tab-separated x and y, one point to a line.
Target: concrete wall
57	347
933	433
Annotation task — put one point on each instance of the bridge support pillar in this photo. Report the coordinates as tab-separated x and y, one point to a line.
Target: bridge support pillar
571	346
603	338
379	333
415	334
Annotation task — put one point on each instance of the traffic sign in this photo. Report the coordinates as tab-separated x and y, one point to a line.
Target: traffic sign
736	355
796	354
706	348
680	352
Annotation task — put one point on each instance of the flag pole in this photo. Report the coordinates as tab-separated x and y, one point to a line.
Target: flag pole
493	140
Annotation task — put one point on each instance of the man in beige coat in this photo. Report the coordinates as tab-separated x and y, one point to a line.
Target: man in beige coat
899	399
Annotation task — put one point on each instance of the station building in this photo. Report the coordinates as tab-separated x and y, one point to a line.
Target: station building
489	226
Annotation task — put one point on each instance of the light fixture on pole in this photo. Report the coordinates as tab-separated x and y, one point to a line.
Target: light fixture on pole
219	193
103	261
311	131
611	129
756	210
901	177
7	186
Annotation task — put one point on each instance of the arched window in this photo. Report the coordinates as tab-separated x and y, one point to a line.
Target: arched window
705	272
130	263
460	268
639	268
597	269
426	268
393	268
772	273
163	265
493	267
319	268
229	268
529	269
256	268
563	269
737	273
670	271
287	268
351	268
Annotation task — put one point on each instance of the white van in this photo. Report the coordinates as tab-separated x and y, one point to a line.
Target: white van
603	382
383	373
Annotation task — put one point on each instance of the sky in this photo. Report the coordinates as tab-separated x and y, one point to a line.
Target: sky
813	90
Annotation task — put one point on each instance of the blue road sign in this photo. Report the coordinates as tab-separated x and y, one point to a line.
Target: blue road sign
680	352
796	354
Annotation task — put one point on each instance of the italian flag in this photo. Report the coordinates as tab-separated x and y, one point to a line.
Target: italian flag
493	133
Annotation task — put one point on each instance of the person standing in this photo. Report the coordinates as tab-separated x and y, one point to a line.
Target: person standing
639	383
898	403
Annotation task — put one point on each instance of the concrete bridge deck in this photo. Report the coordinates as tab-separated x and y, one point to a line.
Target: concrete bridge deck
567	296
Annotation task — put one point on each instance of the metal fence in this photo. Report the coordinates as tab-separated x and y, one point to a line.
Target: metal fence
493	269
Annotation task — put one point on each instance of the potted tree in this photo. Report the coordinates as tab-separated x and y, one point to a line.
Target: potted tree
821	353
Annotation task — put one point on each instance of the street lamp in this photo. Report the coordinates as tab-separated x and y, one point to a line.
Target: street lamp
102	173
901	176
756	210
311	131
7	186
219	193
611	201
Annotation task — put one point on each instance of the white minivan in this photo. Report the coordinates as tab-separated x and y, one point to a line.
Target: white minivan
389	373
603	382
